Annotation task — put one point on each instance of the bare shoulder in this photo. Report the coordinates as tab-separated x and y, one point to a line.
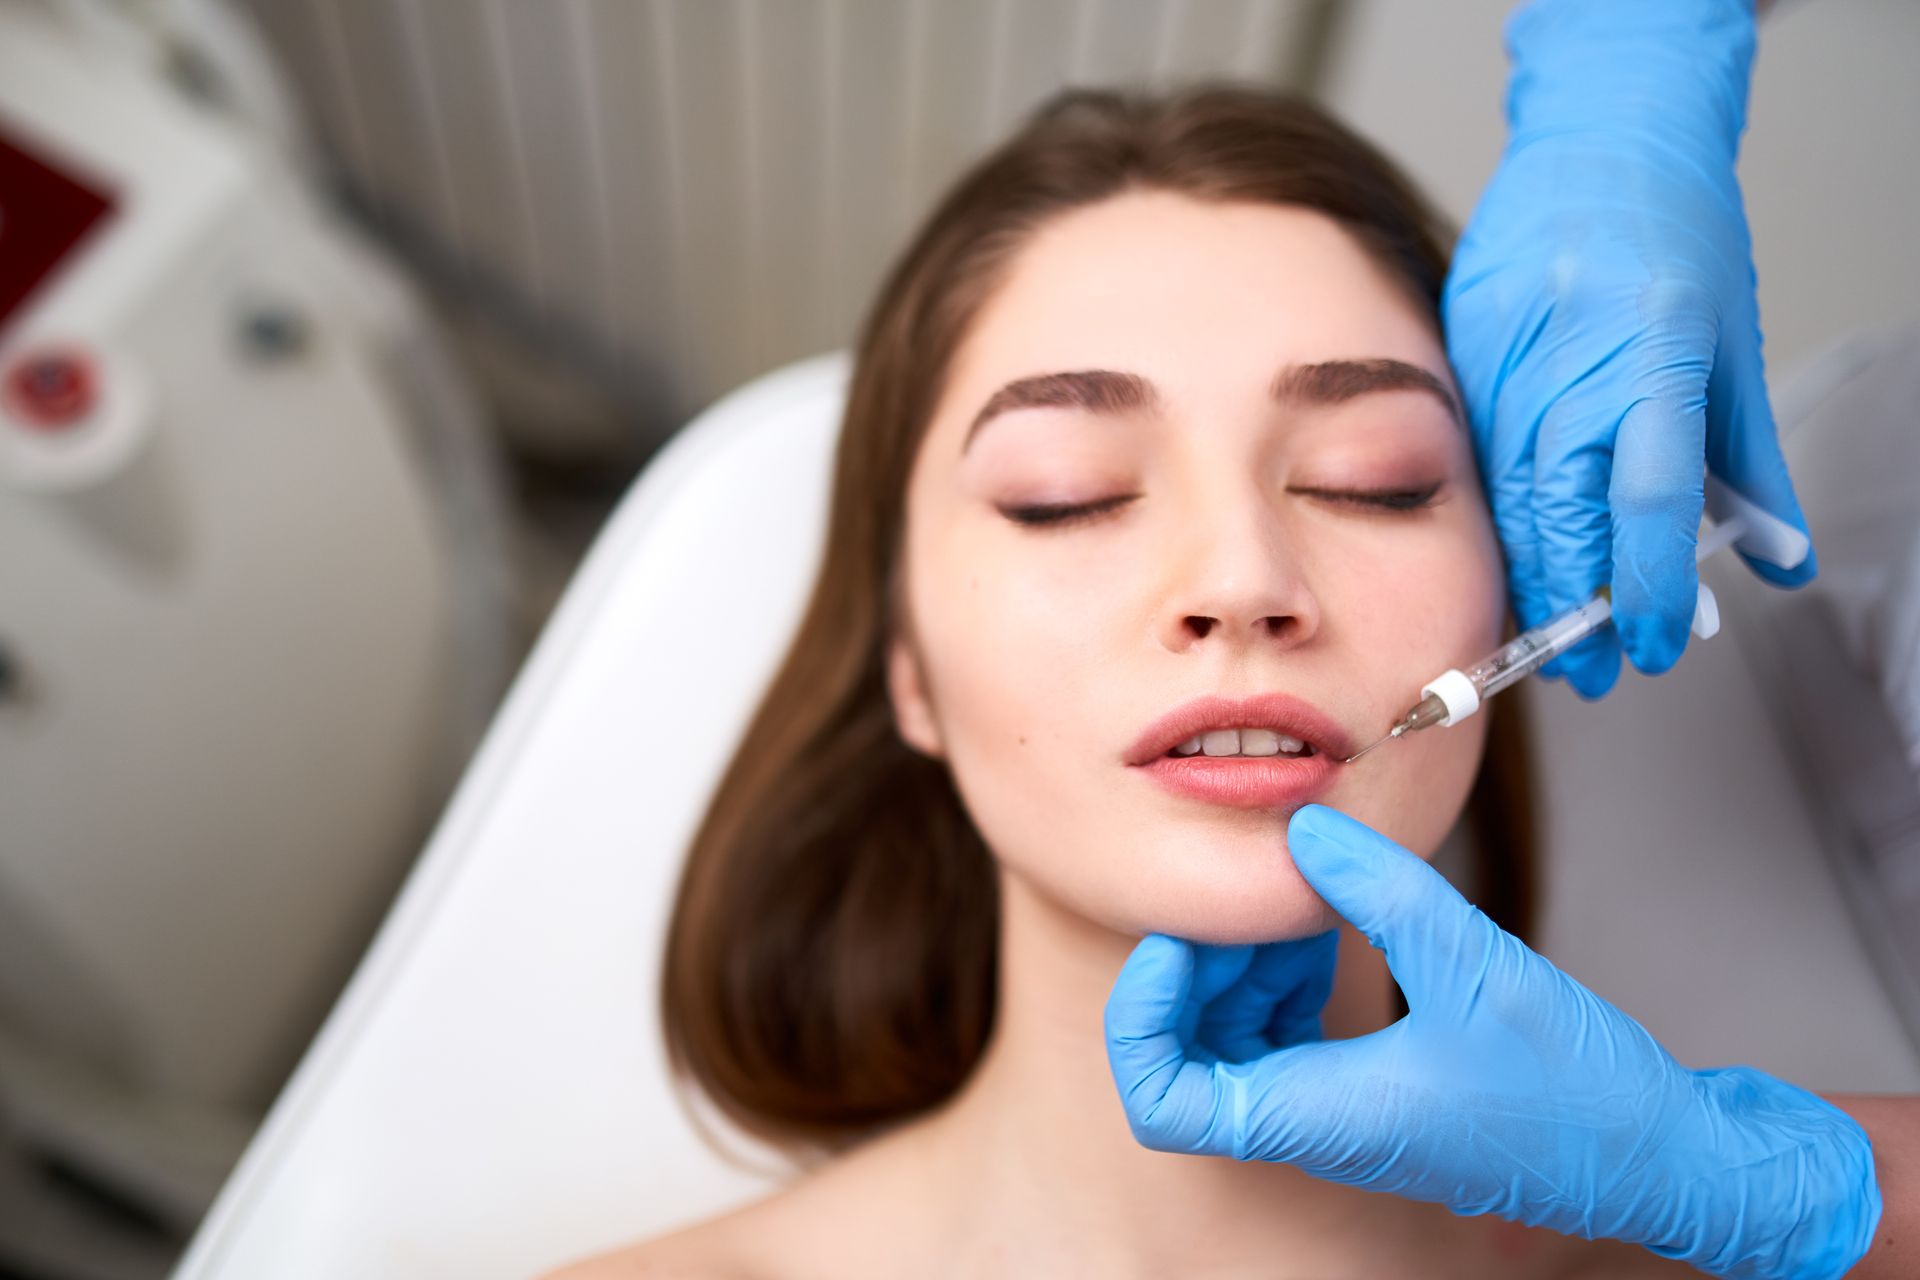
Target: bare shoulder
716	1248
820	1224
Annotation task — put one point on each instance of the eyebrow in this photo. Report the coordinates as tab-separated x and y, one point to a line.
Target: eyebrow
1106	391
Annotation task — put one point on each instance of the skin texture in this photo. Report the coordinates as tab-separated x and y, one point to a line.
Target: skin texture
1038	655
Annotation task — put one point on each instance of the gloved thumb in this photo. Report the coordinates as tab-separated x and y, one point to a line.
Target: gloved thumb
1743	449
1284	1104
1438	945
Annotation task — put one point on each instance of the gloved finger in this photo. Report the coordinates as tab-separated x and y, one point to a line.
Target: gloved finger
1145	1048
1291	1105
1215	969
1337	1109
1276	1002
1743	449
1508	444
1573	461
1507	472
1656	495
1170	1095
1440	947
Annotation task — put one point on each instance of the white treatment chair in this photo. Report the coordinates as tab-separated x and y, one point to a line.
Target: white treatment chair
489	1096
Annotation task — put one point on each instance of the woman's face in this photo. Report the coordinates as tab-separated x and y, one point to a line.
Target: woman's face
1235	553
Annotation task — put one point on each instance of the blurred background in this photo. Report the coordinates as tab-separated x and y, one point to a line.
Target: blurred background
331	331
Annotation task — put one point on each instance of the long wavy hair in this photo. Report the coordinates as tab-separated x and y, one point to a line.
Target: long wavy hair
830	965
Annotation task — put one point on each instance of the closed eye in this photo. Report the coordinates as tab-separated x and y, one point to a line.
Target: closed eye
1064	514
1384	499
1395	500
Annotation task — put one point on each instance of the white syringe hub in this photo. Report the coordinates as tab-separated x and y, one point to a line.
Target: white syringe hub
1455	690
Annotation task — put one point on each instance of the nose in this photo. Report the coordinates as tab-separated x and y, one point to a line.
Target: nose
1238	578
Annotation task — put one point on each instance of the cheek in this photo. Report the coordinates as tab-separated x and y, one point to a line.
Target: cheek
1008	659
1416	615
1019	678
1421	784
1436	602
1012	634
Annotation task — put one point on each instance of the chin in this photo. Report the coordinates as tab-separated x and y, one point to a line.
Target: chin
1223	901
1229	922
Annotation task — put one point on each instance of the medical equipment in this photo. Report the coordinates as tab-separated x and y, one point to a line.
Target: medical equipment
1456	694
253	574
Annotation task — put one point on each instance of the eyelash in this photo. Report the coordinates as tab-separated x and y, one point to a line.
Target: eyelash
1396	501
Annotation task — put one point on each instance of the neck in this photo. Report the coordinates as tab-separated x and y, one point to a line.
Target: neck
1037	1143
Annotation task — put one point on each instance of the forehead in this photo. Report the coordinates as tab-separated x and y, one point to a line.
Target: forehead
1194	295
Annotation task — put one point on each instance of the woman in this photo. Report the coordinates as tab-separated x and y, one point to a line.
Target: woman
1155	409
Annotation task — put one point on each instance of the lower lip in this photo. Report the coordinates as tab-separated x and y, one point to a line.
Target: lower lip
1245	782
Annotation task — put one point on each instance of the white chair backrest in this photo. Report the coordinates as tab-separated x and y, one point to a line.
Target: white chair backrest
490	1096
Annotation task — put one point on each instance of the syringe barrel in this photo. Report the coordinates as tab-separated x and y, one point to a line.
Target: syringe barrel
1530	650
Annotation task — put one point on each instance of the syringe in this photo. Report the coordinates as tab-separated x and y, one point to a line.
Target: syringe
1458	693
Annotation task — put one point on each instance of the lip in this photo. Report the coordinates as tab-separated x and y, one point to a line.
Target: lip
1258	782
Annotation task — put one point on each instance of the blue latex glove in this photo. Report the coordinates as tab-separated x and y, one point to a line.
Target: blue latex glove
1508	1088
1601	318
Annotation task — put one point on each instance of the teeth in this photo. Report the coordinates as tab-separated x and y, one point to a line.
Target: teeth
1260	742
1242	742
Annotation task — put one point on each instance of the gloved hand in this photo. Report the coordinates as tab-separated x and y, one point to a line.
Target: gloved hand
1601	318
1508	1088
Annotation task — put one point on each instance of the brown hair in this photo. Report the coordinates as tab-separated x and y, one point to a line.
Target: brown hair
830	965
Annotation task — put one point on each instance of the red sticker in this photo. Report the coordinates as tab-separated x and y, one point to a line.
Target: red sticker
44	213
50	388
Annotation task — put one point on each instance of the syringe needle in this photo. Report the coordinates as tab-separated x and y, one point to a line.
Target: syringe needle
1429	710
1391	735
1371	745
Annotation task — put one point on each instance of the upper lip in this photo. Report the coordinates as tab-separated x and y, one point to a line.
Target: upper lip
1280	712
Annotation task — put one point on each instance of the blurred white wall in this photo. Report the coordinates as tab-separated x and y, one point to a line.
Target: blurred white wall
681	196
